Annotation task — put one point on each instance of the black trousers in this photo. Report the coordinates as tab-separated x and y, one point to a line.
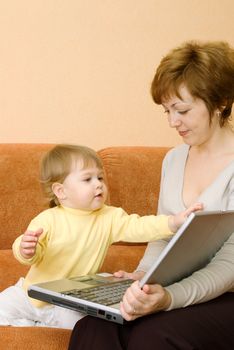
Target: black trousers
199	327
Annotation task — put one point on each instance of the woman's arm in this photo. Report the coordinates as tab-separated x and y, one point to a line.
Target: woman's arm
152	252
218	276
208	283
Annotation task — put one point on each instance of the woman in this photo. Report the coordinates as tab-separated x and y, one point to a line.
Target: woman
195	85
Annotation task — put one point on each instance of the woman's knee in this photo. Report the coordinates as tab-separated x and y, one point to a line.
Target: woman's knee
91	333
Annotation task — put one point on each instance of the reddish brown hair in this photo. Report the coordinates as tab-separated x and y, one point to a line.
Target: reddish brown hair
205	69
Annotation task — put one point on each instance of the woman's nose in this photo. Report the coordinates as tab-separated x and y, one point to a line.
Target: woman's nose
174	120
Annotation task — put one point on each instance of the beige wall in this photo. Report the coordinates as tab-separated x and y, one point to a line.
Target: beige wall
80	70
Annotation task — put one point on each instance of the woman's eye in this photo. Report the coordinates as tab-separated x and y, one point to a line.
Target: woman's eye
100	178
182	112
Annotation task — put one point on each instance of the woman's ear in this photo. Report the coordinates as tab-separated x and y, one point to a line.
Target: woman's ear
58	190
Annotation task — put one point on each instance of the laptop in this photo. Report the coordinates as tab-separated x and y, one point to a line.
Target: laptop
190	249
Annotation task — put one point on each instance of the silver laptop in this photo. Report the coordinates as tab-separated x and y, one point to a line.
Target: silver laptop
190	249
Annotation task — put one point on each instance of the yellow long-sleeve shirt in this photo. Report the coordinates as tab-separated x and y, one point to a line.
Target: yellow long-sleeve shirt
75	242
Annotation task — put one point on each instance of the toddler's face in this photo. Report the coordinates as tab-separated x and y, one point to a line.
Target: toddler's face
84	188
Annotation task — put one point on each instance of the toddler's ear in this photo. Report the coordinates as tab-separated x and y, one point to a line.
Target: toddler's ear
58	190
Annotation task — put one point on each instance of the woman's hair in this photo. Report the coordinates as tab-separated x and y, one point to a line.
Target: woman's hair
57	164
205	69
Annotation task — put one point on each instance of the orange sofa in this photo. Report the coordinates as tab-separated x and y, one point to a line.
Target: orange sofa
133	177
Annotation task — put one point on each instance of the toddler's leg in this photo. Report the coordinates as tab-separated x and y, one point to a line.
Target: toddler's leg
65	318
15	309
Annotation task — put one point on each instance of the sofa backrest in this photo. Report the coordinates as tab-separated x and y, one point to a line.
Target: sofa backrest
21	195
133	176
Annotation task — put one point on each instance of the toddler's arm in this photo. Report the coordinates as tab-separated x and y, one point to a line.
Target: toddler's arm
28	243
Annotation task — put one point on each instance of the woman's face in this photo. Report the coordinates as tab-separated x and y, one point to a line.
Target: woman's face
190	117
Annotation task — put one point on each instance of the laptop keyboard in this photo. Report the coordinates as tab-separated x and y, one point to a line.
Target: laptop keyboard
108	294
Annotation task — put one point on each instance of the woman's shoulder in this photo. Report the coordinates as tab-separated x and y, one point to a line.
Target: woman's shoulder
179	152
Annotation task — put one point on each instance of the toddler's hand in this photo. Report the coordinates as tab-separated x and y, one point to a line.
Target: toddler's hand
177	220
28	243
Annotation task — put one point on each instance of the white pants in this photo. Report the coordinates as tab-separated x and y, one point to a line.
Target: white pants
16	310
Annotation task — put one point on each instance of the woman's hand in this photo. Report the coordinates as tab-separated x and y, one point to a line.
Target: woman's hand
137	275
138	302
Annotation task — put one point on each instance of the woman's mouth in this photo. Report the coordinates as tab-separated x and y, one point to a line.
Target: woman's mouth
183	133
